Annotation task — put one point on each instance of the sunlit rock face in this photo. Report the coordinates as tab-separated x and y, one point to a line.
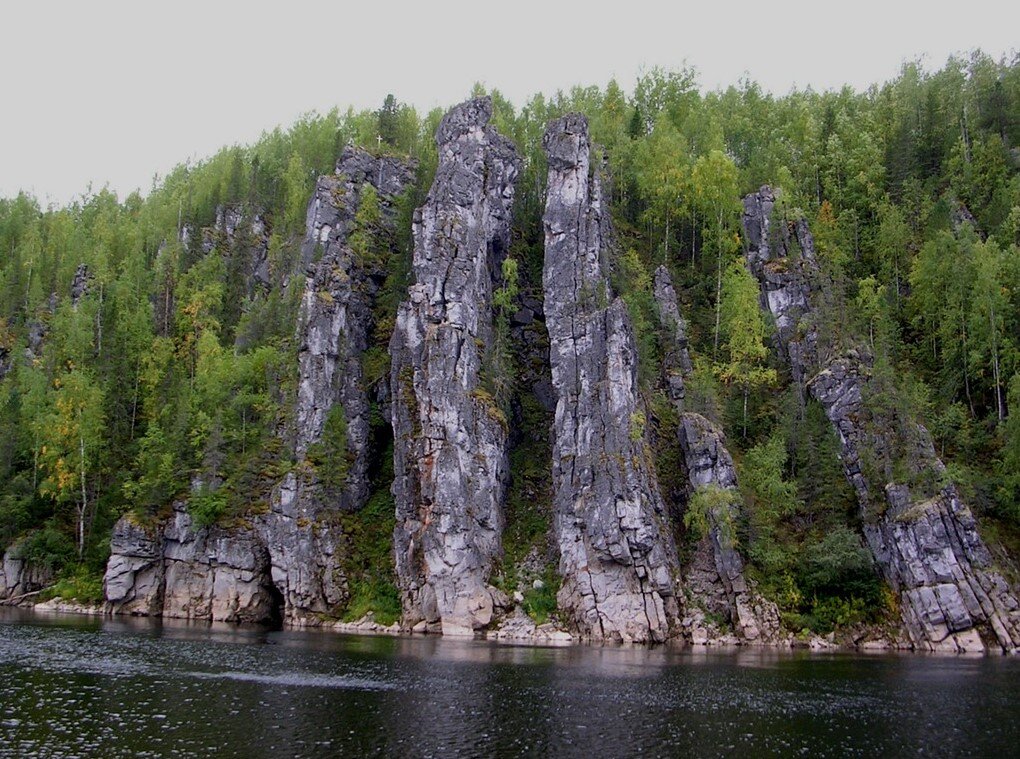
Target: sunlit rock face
928	548
450	439
618	561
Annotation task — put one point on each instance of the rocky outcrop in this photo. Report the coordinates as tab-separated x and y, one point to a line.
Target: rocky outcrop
676	358
80	284
337	315
19	577
928	549
285	563
714	579
450	438
618	562
201	574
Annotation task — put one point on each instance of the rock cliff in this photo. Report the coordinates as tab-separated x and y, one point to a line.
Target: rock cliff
184	572
618	562
927	546
714	579
450	438
286	564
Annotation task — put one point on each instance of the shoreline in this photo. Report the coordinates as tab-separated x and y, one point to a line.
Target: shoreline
544	636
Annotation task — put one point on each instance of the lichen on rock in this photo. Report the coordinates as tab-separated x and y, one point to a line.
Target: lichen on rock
450	437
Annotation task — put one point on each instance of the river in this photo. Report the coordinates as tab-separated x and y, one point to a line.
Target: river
80	686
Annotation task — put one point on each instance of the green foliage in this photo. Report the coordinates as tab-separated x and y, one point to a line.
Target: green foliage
540	603
207	506
744	331
367	559
713	507
632	280
77	583
771	499
48	547
529	499
329	455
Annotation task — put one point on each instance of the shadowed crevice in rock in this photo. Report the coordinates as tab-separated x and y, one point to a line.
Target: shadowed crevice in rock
450	439
617	557
928	550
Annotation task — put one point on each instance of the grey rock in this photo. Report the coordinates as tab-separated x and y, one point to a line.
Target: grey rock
726	590
19	576
929	551
183	572
714	579
676	359
337	315
242	232
285	563
450	440
618	562
80	284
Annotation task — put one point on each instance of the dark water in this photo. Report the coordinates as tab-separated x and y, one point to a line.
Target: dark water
84	687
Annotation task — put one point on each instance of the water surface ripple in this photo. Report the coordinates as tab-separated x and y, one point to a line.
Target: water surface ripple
72	686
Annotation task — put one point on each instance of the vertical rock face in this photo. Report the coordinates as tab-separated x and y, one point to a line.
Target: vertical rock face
287	563
928	549
244	232
617	558
337	307
450	440
18	577
676	359
183	572
715	577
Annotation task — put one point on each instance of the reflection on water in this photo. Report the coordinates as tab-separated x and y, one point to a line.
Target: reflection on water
89	687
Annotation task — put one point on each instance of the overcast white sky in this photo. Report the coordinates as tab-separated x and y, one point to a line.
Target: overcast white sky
113	92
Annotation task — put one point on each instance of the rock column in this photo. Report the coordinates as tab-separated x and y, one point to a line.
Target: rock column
617	558
450	437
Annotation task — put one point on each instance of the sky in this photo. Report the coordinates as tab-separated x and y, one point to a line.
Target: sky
112	93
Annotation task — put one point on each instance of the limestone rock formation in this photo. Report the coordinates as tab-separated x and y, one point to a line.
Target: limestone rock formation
450	438
676	359
927	547
209	574
287	562
618	561
19	577
714	580
337	307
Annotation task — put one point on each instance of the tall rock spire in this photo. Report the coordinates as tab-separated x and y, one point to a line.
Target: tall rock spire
925	543
450	438
617	557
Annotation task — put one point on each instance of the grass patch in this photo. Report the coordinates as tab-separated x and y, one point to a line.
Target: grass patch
78	583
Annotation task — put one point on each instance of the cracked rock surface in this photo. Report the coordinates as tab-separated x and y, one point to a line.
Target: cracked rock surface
618	562
450	438
951	596
286	563
715	577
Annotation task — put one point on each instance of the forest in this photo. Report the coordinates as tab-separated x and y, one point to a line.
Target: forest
144	360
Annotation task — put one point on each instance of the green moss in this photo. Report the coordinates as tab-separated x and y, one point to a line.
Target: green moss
529	501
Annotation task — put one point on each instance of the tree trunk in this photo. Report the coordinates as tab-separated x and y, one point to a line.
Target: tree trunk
718	287
83	509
